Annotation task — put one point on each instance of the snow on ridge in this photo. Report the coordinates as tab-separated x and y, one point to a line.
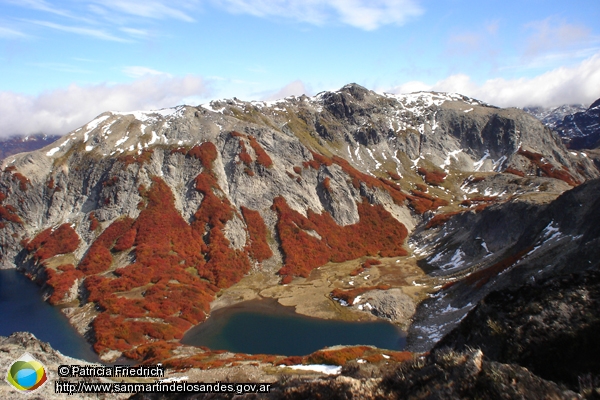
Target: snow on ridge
95	123
325	369
432	98
151	115
54	150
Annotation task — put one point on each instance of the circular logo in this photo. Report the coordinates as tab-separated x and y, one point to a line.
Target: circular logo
26	374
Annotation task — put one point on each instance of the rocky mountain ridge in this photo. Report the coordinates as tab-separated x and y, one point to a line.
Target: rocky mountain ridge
132	217
578	125
553	116
582	127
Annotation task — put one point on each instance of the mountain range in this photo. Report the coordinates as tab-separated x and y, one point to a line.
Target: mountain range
137	224
579	126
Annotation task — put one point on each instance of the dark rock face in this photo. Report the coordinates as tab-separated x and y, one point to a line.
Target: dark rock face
503	247
549	327
442	375
468	375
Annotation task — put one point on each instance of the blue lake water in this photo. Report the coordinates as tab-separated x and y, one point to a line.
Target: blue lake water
262	327
22	309
254	327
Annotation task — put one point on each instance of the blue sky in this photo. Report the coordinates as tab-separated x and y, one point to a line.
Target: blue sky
64	62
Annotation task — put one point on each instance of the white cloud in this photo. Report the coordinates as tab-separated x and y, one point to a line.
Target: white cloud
59	111
551	34
136	71
8	33
295	88
40	5
578	84
96	33
155	9
364	14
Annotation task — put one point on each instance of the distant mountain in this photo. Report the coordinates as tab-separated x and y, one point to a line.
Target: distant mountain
582	128
20	144
577	125
551	116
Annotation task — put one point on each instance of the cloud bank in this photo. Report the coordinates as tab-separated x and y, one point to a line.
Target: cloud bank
60	111
363	14
573	85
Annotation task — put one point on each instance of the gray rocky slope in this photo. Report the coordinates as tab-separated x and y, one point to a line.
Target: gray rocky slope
482	153
374	133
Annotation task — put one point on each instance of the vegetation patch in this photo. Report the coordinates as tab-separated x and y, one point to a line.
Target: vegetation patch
376	233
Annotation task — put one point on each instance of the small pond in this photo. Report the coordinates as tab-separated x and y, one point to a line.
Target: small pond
265	327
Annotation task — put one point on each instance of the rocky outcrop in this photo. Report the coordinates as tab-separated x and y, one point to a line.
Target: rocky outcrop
548	326
14	346
503	246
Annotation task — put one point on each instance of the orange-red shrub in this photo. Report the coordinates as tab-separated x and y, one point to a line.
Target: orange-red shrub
422	187
23	181
244	156
126	241
298	170
337	357
548	169
436	202
8	213
206	153
261	155
394	175
259	248
432	177
327	184
225	266
50	243
94	223
350	295
510	170
141	159
61	282
376	232
440	219
98	258
369	262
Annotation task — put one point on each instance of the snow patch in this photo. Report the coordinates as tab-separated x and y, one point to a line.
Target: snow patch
479	163
325	369
52	151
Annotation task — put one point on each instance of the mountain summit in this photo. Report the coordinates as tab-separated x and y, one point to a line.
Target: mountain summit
135	221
